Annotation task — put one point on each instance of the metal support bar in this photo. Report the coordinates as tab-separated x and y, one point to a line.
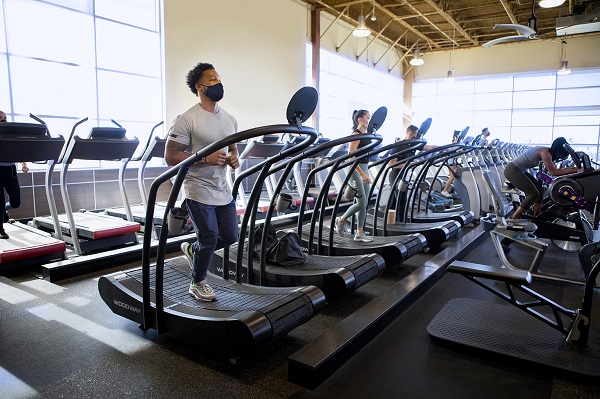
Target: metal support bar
389	48
509	11
334	21
373	41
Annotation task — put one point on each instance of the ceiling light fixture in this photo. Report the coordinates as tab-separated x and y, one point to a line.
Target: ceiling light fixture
564	68
564	64
551	3
361	29
417	60
373	17
449	76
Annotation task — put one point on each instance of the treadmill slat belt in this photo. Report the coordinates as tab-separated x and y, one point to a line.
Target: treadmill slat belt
176	284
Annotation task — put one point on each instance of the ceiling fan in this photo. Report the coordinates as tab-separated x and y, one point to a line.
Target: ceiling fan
527	32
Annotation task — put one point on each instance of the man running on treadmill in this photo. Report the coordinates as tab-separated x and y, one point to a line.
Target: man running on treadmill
208	197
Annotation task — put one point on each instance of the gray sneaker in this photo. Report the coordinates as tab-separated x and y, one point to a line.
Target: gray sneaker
339	227
362	237
202	291
186	248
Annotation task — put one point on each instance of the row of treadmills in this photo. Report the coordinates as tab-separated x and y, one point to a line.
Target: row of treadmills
45	238
258	301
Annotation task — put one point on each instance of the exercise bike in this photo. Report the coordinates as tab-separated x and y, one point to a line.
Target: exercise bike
562	218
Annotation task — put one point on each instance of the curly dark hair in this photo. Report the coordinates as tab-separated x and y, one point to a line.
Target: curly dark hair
195	74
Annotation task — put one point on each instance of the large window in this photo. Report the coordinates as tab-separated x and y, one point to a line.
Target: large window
346	85
528	108
64	60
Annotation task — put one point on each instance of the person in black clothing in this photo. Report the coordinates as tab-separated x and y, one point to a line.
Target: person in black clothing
360	178
10	183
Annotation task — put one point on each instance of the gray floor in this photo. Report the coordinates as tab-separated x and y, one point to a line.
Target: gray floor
60	340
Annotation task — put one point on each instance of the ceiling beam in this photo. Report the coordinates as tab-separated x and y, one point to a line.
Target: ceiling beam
428	21
452	21
391	15
339	15
509	11
375	38
406	24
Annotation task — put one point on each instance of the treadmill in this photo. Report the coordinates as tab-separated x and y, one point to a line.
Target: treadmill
244	316
91	231
413	212
29	142
255	152
465	216
320	238
155	148
335	276
436	233
399	149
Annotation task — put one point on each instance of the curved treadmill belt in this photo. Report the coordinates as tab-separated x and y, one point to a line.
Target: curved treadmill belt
239	299
436	233
394	249
462	217
333	275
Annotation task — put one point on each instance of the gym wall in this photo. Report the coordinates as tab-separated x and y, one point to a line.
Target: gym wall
257	47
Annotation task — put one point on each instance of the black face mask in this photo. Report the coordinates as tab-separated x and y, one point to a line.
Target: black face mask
214	92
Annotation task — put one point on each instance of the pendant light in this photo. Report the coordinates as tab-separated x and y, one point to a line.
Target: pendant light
550	3
564	64
449	75
361	29
417	60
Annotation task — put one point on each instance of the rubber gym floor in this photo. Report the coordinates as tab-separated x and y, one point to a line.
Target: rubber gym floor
60	340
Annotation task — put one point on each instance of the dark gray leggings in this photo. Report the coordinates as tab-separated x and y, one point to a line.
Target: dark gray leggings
526	183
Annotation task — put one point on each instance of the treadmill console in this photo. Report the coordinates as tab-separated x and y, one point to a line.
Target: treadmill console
23	129
115	133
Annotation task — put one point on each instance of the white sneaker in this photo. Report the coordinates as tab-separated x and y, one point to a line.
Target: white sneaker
362	237
446	194
186	248
339	227
202	291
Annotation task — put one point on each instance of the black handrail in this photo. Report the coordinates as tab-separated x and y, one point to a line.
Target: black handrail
421	157
181	170
429	157
357	156
288	165
442	157
253	204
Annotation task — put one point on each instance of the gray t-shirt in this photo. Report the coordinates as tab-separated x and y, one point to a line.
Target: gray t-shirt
527	159
198	128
